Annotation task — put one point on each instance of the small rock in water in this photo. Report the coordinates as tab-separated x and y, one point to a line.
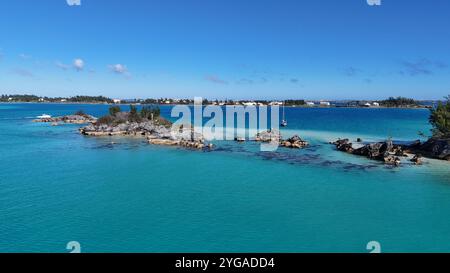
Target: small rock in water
268	136
74	119
294	142
392	160
417	159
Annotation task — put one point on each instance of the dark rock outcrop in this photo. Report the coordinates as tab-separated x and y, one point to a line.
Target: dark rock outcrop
294	142
438	148
343	145
381	151
378	150
417	159
391	160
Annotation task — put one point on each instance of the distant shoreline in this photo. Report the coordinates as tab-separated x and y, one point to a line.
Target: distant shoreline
173	104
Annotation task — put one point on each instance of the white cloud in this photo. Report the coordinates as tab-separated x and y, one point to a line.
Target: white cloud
78	64
73	2
119	69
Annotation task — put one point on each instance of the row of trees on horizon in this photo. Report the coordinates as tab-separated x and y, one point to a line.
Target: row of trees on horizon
390	102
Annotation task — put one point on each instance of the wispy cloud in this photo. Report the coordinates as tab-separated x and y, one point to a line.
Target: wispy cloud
23	73
440	64
252	80
421	67
24	56
62	65
294	80
215	79
350	71
77	64
245	81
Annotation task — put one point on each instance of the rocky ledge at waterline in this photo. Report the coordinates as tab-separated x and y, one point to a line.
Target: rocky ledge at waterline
386	152
437	148
155	133
73	119
275	136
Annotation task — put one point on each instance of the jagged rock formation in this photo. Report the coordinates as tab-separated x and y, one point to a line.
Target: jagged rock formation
73	119
294	142
438	148
156	134
268	136
274	136
381	151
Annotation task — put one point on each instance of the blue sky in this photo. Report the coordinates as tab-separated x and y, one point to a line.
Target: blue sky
262	49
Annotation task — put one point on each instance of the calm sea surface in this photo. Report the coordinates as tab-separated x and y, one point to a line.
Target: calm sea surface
57	186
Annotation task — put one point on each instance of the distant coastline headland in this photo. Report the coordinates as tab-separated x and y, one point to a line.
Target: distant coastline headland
392	102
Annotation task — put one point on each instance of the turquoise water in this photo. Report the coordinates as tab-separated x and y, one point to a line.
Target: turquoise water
57	186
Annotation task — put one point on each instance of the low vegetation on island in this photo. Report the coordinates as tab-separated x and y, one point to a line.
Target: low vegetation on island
399	102
440	119
147	123
147	113
438	146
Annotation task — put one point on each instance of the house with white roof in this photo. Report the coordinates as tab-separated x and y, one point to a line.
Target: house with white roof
273	103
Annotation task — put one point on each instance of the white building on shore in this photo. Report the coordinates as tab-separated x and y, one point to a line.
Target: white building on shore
273	103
